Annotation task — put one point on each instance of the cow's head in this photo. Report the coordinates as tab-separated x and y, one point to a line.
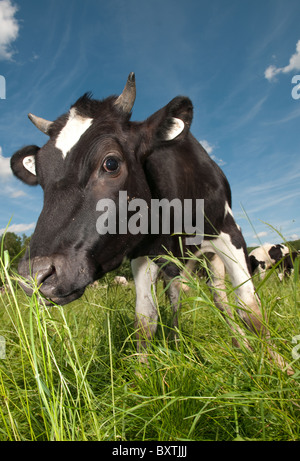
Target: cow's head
93	152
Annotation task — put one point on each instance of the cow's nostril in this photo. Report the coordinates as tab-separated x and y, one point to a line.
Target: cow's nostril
44	273
40	269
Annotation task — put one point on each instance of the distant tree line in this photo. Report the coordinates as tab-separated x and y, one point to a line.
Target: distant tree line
15	245
295	245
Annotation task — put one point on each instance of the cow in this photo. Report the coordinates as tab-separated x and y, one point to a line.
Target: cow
269	255
95	152
288	263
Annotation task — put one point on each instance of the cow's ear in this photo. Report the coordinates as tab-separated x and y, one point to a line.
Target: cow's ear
173	121
22	164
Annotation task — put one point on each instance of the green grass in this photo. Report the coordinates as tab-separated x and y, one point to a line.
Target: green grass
72	372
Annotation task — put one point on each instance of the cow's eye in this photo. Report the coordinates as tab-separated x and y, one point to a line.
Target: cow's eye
111	164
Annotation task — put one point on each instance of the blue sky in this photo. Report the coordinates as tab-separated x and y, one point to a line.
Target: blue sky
234	58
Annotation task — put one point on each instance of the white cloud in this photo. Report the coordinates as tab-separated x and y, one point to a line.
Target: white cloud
6	176
209	149
294	65
260	234
5	171
11	192
219	161
16	193
9	28
19	228
271	71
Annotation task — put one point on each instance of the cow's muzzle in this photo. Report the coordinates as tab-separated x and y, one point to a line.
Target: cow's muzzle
48	274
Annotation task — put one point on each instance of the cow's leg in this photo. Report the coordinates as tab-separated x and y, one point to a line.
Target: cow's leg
262	271
188	270
145	274
173	288
217	283
173	282
231	248
218	286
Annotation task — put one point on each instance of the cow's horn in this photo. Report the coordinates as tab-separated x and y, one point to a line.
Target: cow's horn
126	100
42	124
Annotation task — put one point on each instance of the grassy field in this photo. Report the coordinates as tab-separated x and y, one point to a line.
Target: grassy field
72	373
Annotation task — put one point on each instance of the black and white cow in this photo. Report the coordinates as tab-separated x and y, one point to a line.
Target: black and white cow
94	151
268	255
288	264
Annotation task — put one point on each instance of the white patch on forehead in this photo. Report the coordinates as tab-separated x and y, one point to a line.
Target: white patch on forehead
29	164
72	131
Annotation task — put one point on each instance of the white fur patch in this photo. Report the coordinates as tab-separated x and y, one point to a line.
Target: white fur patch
145	274
236	266
175	130
29	164
228	209
72	131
